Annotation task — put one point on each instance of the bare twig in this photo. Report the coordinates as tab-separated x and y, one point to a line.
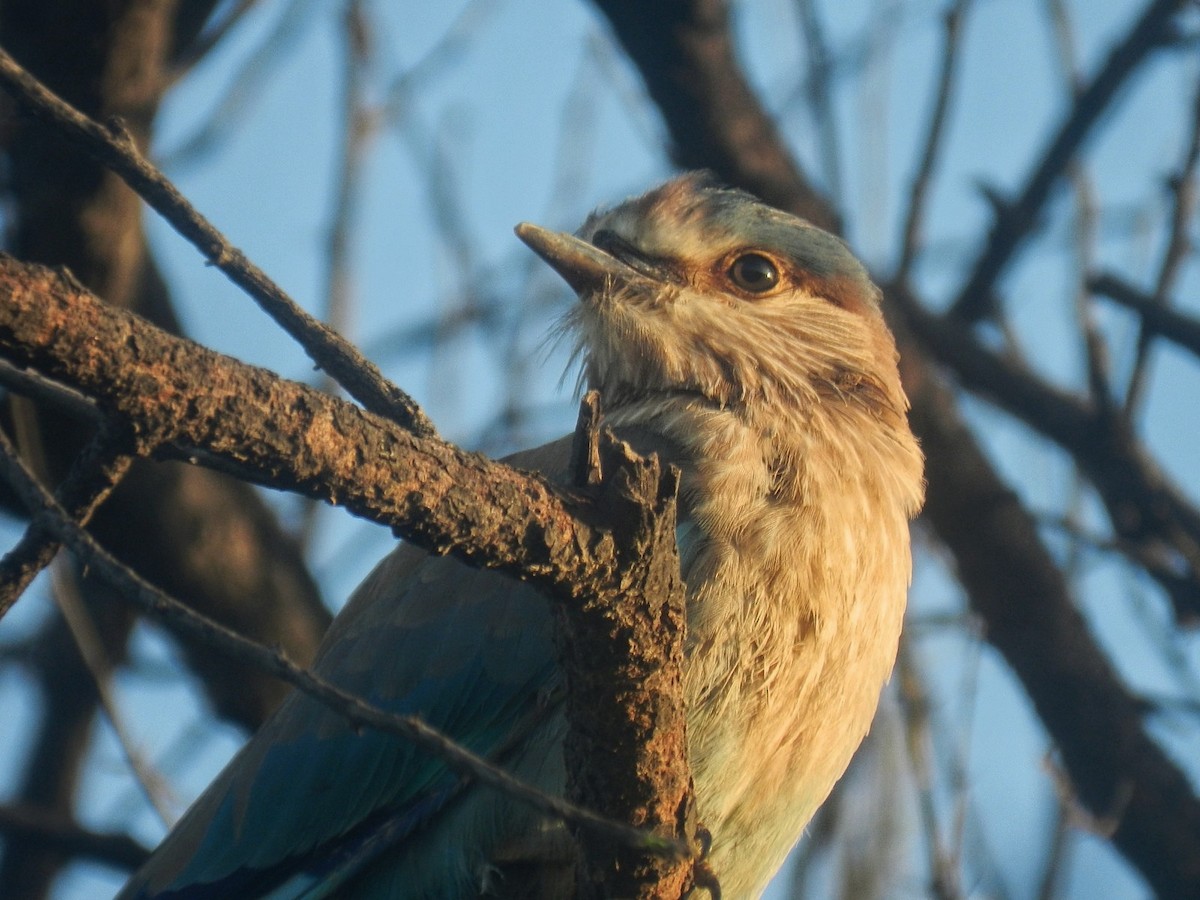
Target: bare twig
934	137
212	35
1017	220
244	85
97	470
1057	854
448	47
66	835
819	84
91	649
36	386
355	130
1095	350
1158	317
114	147
914	701
1179	245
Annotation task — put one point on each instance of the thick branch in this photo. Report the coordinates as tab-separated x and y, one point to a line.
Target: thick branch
685	53
292	437
630	647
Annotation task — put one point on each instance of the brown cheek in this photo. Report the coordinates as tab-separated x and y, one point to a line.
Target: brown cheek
843	293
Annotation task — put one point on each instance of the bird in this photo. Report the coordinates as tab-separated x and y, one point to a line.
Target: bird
748	348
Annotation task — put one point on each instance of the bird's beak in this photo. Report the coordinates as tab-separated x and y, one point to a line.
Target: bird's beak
587	269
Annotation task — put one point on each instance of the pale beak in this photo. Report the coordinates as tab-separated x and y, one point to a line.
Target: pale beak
586	268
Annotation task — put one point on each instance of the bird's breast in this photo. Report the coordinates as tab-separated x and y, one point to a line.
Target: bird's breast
796	599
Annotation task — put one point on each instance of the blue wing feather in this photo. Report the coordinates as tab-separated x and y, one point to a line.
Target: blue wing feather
470	652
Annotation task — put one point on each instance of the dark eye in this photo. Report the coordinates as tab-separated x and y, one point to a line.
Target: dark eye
753	272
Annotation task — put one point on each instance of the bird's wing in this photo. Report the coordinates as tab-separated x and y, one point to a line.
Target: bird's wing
470	652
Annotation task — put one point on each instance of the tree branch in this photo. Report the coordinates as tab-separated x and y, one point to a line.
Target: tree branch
1014	584
1017	220
918	193
70	838
96	471
1158	318
686	56
116	149
295	438
1156	522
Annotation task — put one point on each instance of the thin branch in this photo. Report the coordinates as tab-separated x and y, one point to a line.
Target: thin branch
355	130
1057	855
819	84
113	146
91	649
1158	318
64	834
1017	220
1179	245
243	87
163	608
93	476
934	137
915	704
1086	210
1095	350
208	38
37	387
450	46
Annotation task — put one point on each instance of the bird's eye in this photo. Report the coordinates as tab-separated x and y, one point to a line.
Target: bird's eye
753	272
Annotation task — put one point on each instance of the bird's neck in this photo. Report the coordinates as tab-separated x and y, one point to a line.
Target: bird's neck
797	517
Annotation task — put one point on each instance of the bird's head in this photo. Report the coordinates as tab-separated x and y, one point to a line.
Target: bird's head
695	289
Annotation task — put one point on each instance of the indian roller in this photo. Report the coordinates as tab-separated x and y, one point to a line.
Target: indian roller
748	347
